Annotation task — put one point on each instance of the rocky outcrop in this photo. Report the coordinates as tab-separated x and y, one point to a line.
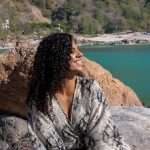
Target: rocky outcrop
15	73
134	124
14	76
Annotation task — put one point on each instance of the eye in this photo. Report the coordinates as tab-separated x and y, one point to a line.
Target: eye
73	50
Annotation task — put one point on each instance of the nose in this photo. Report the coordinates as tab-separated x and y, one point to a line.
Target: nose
80	54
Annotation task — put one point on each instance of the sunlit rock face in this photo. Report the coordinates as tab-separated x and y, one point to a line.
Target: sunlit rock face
134	124
15	69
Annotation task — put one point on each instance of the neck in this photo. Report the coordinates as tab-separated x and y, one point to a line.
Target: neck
68	86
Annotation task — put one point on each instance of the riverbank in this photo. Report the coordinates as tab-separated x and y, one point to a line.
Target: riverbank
128	38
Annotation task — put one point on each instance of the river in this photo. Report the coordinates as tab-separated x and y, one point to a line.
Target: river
129	63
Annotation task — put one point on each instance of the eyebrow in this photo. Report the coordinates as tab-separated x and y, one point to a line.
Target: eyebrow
75	40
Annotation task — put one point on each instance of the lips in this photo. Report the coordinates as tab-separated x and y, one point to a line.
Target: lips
77	60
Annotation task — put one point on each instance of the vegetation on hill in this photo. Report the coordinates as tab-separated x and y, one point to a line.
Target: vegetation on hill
98	16
79	16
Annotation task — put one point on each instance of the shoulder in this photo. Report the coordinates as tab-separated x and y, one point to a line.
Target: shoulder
91	90
13	125
89	83
15	133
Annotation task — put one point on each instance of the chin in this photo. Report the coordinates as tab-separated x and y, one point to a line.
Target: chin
76	69
79	71
75	72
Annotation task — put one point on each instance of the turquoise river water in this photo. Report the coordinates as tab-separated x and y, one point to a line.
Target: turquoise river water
129	63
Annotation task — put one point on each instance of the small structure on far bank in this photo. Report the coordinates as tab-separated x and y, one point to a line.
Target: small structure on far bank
5	25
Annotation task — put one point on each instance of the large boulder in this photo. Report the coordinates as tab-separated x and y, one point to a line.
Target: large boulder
15	68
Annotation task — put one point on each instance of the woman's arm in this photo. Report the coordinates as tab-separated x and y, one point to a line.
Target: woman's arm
102	134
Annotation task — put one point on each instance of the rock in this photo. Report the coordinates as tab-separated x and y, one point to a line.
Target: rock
14	76
15	69
134	124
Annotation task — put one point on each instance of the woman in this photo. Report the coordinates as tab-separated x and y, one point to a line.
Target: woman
68	111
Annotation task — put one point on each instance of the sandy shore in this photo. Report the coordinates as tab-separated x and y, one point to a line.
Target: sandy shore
116	38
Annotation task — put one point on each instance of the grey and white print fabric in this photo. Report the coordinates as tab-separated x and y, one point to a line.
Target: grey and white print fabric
89	127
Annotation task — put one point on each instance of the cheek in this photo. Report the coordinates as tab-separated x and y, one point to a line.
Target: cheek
72	57
71	65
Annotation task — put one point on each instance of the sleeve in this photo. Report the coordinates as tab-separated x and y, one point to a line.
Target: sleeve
23	143
16	134
102	134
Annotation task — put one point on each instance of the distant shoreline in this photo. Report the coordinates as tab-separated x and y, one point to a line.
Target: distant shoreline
122	38
99	45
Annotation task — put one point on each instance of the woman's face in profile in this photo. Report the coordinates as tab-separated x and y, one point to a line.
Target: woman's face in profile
76	62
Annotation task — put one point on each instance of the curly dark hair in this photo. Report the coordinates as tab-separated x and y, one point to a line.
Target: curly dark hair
51	65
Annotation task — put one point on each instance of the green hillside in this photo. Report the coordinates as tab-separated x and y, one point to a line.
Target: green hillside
79	16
